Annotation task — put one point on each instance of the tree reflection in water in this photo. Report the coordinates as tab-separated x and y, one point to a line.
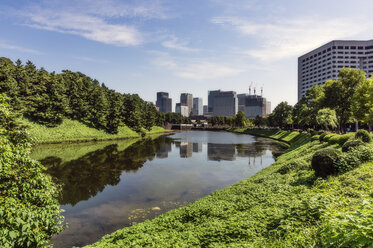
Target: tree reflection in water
90	174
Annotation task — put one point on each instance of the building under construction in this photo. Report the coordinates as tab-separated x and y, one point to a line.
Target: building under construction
253	105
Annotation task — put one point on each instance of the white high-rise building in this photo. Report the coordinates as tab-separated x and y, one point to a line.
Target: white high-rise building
325	62
197	106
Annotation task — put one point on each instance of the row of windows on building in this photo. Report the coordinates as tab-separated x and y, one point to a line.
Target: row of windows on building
349	48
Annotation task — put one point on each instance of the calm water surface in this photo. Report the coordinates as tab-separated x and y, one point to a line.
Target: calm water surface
110	185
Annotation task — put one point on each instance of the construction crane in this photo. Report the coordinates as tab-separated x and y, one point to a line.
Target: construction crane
261	90
250	88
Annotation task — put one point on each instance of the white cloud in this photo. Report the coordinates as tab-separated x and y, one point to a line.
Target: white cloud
18	48
89	27
106	21
196	69
287	38
176	44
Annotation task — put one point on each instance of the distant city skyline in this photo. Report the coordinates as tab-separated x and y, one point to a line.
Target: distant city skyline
147	46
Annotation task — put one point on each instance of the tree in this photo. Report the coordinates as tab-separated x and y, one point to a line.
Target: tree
282	114
326	117
339	94
240	119
363	102
305	111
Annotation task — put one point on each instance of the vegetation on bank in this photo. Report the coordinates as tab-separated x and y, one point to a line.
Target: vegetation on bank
72	130
29	211
49	98
284	205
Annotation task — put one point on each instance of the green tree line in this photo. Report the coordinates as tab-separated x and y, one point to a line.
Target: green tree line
335	104
48	97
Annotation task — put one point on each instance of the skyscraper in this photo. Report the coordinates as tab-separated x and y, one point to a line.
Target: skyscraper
210	100
197	106
186	99
225	104
164	103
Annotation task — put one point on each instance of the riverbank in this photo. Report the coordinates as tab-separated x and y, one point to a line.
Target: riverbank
283	205
293	139
71	131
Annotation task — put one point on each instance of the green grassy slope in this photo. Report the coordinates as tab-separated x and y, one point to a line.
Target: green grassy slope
72	130
294	139
284	205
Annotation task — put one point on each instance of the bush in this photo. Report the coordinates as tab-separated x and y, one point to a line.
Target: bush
323	162
321	138
328	137
351	144
295	165
340	139
363	135
29	211
365	154
315	137
346	162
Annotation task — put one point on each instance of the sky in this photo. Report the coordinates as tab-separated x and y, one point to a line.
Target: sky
180	46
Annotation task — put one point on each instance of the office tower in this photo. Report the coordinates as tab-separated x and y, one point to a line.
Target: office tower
324	63
182	109
164	103
197	106
210	99
186	99
225	104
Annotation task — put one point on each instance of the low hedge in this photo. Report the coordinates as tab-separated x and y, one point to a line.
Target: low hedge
363	135
322	136
328	137
340	139
315	137
351	144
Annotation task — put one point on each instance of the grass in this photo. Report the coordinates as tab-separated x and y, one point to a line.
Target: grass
284	205
72	130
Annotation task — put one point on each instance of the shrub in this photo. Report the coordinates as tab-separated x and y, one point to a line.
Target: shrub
350	144
340	139
29	211
365	153
315	137
347	161
328	136
363	135
321	138
296	165
323	161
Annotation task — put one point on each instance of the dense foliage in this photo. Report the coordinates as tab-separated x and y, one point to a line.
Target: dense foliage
47	98
29	211
237	120
335	104
284	205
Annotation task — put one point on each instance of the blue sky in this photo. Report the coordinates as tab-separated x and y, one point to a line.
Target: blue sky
145	46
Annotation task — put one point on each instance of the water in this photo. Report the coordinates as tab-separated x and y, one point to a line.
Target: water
110	185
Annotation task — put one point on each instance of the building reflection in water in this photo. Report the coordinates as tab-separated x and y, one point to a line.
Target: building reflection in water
163	151
186	149
218	152
197	147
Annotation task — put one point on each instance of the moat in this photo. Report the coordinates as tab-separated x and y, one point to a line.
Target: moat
110	185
